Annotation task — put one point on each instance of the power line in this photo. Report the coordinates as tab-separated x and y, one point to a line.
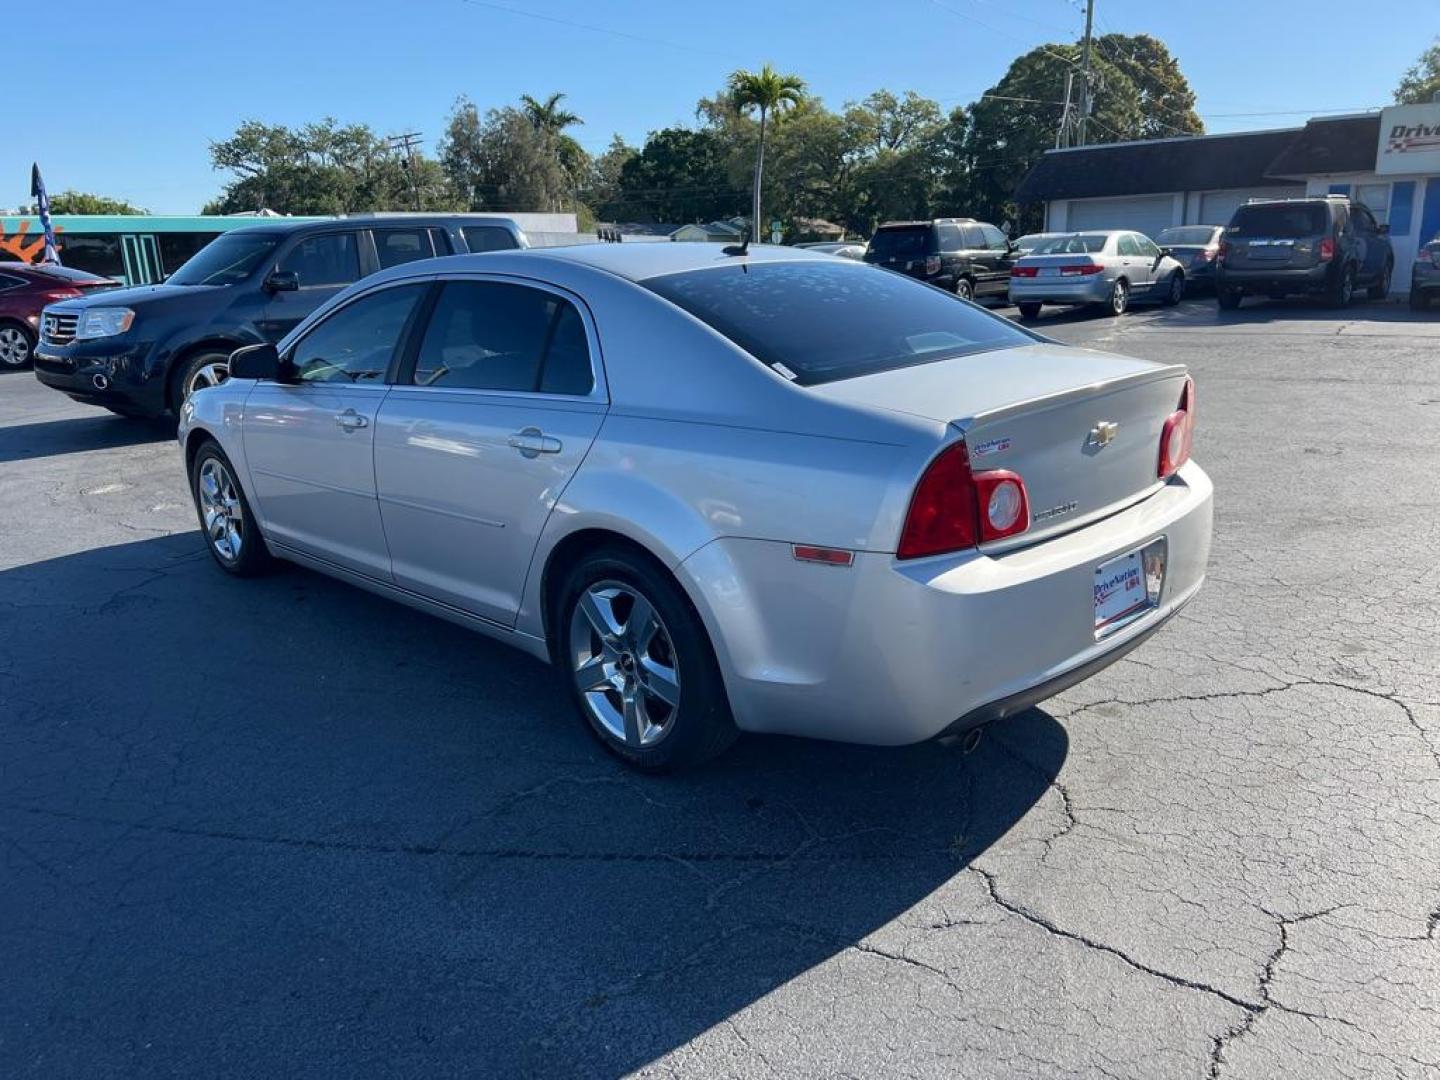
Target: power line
507	9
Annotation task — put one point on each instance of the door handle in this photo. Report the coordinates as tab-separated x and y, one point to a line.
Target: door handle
532	442
350	420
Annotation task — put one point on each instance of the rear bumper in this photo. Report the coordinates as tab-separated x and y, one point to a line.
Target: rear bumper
889	653
1310	280
1093	289
103	372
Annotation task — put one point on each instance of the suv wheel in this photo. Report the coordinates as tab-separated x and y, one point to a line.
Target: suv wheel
1228	299
1342	291
1381	288
1119	301
16	345
1418	300
965	289
640	665
202	370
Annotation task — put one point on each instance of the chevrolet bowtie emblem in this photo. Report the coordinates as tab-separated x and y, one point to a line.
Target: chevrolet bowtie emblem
1103	433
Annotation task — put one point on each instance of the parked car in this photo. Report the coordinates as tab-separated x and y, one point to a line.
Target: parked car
771	492
1425	276
143	351
1327	246
25	289
970	258
1030	241
1195	247
848	249
1110	268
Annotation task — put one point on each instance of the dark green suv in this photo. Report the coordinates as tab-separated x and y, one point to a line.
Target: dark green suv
1325	246
970	258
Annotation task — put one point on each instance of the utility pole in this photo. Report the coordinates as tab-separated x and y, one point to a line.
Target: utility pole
1062	134
1085	101
408	142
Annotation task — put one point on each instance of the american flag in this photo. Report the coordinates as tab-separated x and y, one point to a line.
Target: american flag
42	207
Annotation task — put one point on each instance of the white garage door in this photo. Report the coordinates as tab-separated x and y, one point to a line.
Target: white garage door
1217	207
1143	213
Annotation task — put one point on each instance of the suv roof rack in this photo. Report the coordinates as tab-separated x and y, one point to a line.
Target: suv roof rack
1297	198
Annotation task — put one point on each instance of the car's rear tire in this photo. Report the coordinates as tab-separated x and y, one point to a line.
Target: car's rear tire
1381	288
1174	289
1119	301
17	346
639	663
1342	289
965	288
1228	299
197	372
1418	300
1029	310
231	533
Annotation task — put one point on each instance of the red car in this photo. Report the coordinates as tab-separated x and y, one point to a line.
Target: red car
24	290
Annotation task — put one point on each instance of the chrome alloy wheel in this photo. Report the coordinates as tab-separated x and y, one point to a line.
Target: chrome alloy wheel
14	347
624	663
220	509
211	374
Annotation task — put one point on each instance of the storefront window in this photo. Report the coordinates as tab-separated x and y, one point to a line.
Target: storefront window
96	253
1377	198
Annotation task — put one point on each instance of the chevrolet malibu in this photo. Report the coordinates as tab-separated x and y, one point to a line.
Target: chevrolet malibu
721	489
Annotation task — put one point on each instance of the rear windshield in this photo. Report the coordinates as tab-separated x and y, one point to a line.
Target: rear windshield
1186	234
228	260
820	321
1287	221
910	240
1074	244
1029	243
69	274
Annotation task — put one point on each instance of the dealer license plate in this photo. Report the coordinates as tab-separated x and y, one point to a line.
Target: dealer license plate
1128	586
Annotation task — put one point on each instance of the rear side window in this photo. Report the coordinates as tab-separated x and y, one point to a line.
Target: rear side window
816	322
1280	220
973	238
396	246
909	240
950	238
491	335
325	259
487	238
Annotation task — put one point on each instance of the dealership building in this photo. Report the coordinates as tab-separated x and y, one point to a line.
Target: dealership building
1389	160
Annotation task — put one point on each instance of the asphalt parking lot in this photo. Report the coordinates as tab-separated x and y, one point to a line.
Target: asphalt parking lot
286	828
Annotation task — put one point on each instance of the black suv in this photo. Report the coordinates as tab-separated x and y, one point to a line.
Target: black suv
143	351
970	258
1327	246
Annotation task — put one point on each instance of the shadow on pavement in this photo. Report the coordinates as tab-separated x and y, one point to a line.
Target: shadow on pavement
50	438
282	827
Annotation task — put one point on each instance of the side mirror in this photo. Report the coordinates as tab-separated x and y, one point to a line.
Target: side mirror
1164	251
1384	230
256	362
282	281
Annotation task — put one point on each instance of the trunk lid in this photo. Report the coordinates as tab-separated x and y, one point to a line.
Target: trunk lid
1052	266
1045	412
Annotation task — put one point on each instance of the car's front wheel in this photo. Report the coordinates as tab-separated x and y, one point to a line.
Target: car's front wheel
640	664
230	530
1342	290
17	344
1228	299
1381	288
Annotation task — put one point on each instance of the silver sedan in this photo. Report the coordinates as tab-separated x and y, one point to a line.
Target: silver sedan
720	489
1108	268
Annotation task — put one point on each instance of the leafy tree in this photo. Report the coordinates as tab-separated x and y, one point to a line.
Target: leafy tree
680	176
503	161
82	202
884	122
1422	81
602	186
771	92
1163	95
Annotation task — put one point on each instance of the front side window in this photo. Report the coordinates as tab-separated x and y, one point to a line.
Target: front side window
994	238
1146	246
356	344
326	259
396	246
487	238
491	335
229	260
820	321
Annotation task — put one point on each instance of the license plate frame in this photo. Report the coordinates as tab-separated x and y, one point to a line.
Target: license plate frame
1129	586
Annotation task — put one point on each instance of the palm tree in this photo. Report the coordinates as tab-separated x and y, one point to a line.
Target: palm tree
548	118
770	92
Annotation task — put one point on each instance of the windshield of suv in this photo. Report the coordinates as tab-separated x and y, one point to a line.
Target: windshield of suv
821	320
905	240
226	260
1074	244
1186	236
1287	221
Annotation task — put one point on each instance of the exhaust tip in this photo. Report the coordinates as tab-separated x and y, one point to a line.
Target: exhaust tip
971	740
100	382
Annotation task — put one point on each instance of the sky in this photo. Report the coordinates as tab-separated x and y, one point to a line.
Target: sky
137	89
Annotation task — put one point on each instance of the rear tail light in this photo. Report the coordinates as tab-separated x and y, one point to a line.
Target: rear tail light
1222	251
1425	256
1327	248
1178	433
1024	271
1205	255
1082	268
932	264
953	508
